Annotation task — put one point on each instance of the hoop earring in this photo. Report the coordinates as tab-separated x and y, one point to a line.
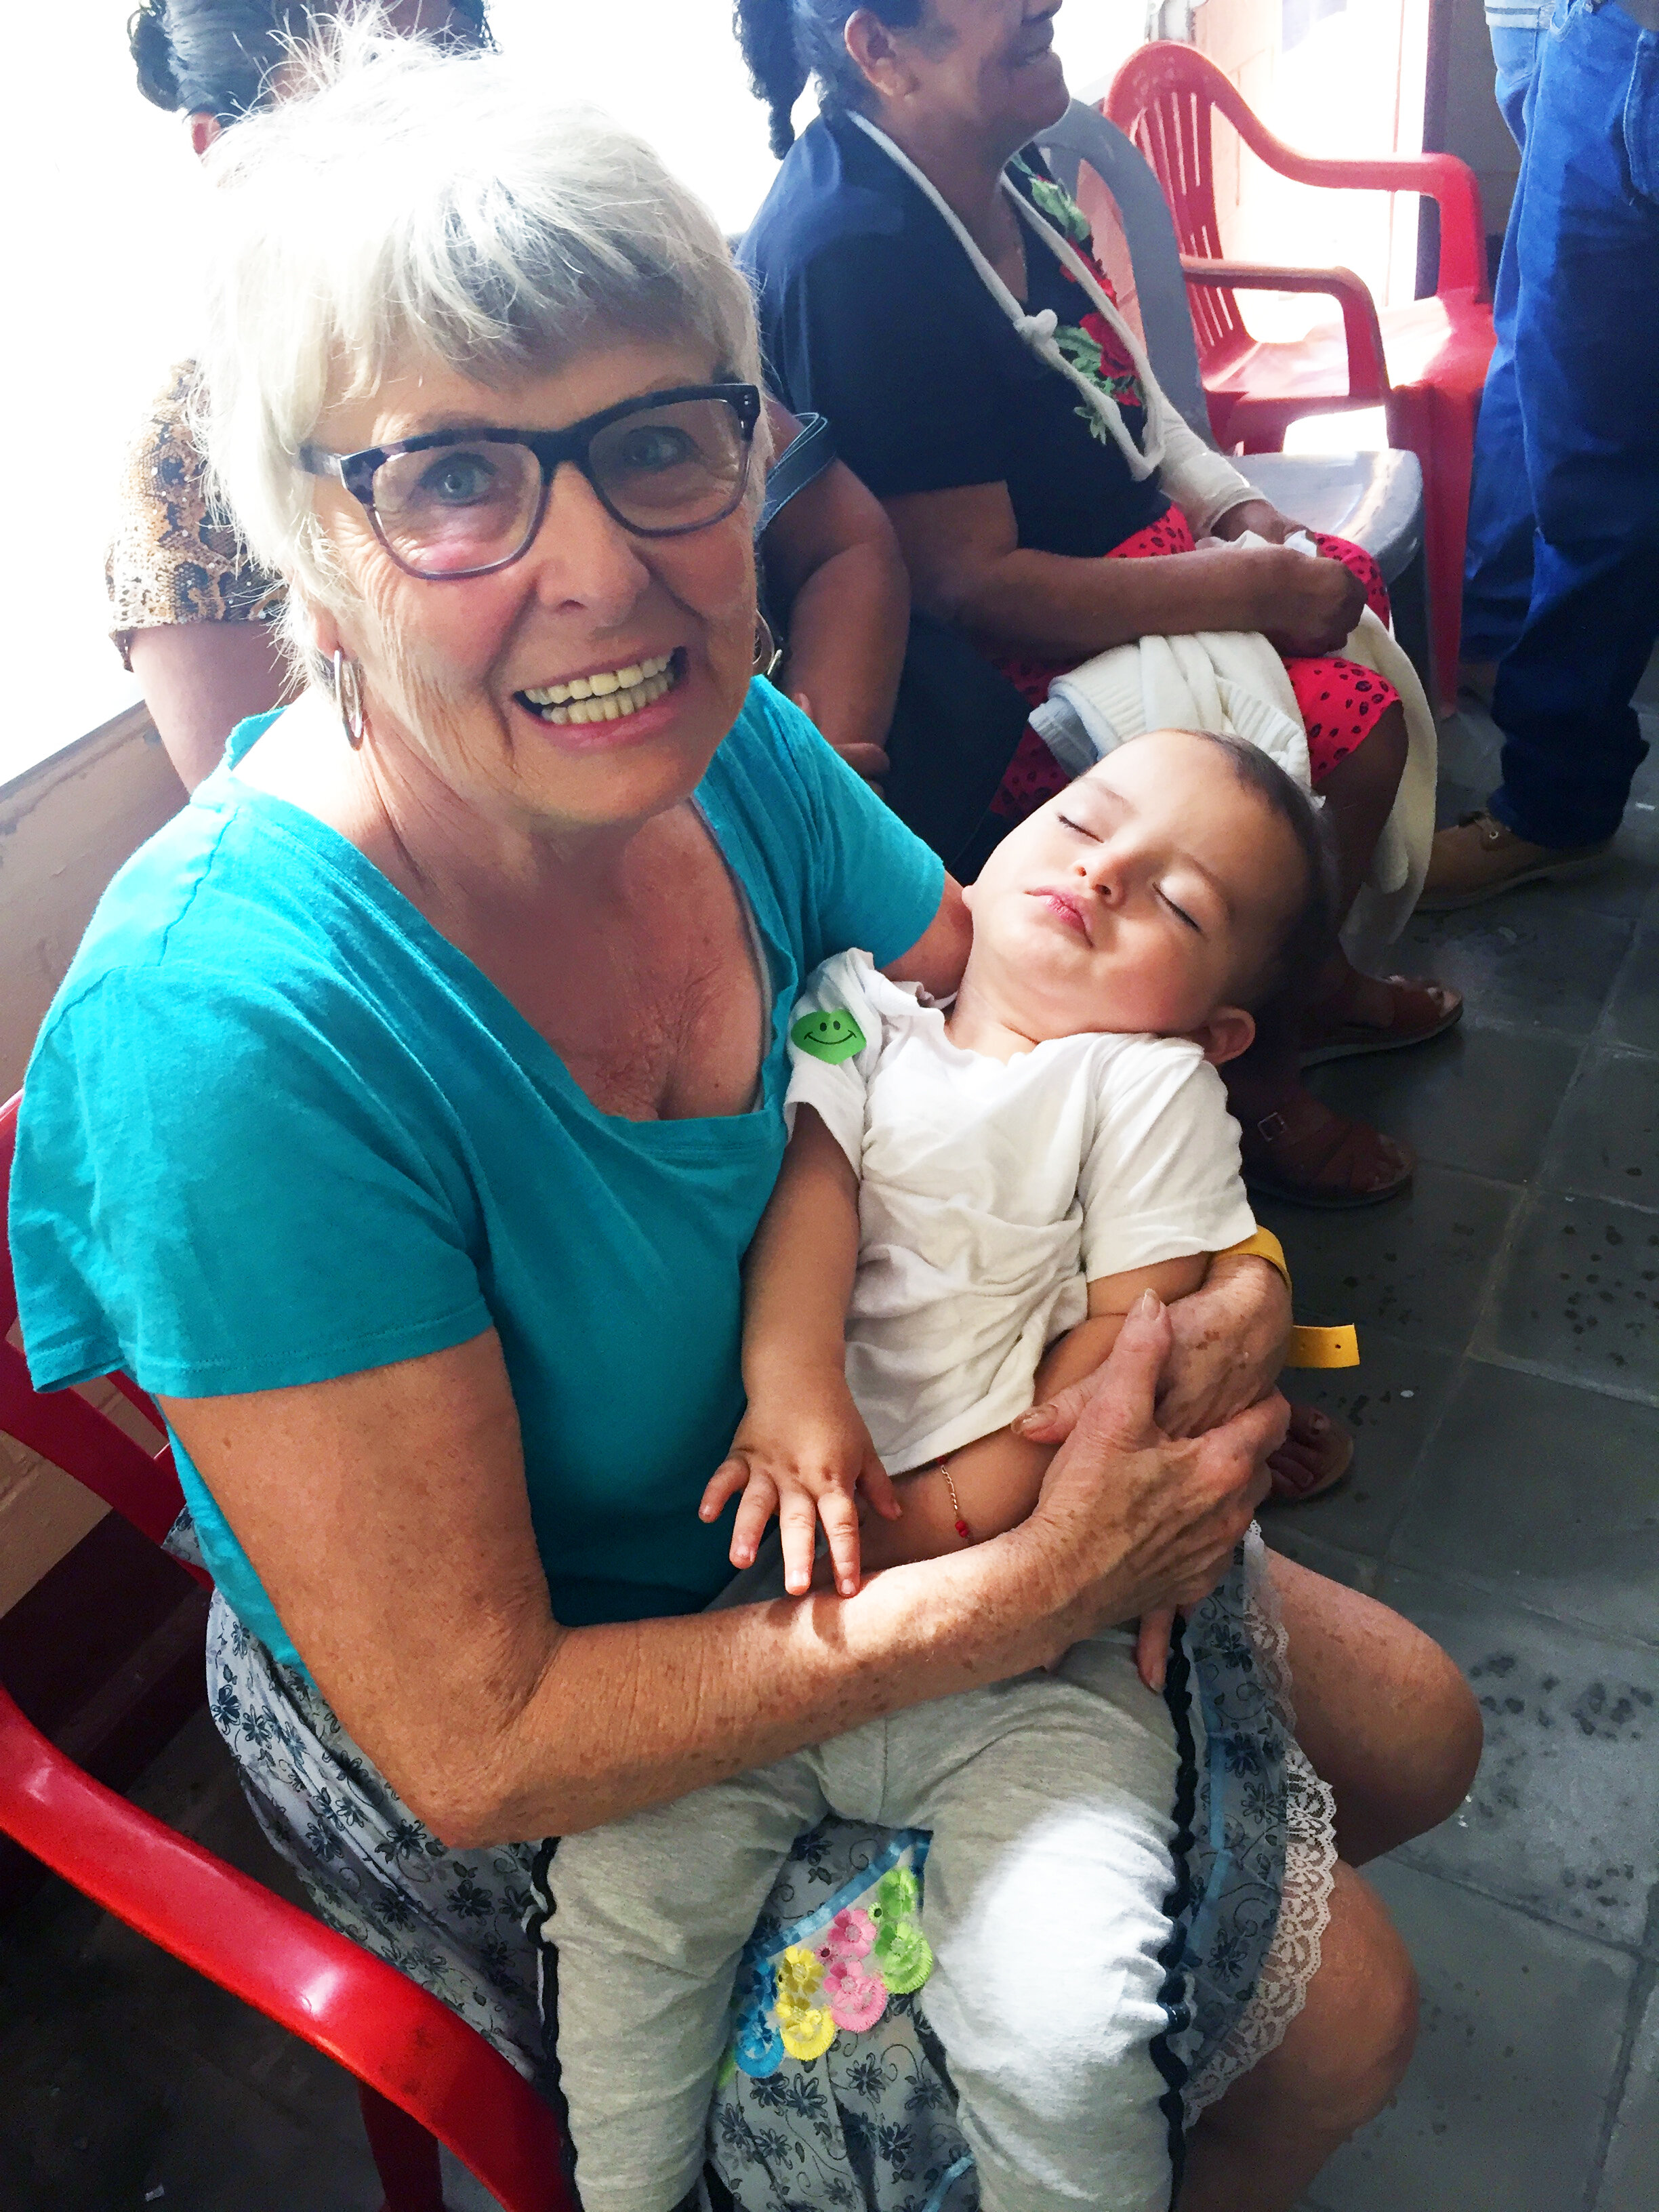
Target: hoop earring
348	698
768	652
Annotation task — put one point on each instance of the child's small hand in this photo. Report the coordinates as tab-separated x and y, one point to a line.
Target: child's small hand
806	1461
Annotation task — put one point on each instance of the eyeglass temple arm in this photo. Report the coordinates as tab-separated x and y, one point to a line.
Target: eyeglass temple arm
317	461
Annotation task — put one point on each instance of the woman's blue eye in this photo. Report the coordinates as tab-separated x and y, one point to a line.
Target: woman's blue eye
656	445
460	480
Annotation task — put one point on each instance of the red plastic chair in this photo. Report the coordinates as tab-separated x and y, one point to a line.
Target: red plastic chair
423	2075
1425	363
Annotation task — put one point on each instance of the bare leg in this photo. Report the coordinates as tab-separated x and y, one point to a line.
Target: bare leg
1341	2060
1381	1713
1358	794
1392	1726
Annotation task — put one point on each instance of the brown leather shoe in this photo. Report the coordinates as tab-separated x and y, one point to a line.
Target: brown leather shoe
1481	857
1310	1156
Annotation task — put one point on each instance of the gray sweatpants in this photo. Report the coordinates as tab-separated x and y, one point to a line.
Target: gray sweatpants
1050	1799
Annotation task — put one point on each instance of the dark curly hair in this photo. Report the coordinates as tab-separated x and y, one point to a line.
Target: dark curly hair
218	56
786	41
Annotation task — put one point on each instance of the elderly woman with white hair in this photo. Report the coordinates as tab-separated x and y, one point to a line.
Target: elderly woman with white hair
410	1106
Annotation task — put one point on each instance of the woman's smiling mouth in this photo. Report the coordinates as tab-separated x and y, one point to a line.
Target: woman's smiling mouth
608	694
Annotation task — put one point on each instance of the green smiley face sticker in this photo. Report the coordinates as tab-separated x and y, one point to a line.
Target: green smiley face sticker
833	1036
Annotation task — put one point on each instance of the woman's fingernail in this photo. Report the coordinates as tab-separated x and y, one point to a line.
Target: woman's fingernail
1151	1304
1038	1418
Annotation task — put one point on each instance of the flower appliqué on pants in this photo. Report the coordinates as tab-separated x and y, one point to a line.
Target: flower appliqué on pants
793	2004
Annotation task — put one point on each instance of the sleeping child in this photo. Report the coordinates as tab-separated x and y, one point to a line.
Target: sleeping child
973	1199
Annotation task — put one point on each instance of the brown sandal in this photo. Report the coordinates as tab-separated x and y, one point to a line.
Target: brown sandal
1315	1454
1418	1011
1309	1156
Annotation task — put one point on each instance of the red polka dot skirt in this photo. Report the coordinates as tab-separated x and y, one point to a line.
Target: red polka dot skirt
1339	701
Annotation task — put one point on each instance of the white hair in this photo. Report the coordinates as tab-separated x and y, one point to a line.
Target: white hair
406	205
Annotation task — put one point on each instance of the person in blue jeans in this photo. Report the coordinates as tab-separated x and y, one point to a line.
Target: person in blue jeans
1570	423
1498	567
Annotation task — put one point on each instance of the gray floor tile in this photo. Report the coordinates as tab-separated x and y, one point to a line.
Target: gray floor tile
1564	1816
225	2145
1633	1016
1623	885
1575	1529
1578	1293
1502	2108
1477	1098
1415	1267
1631	2182
1534	959
1391	1401
1606	1140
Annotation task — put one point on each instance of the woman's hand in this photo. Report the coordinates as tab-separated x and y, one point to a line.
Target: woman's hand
1130	1520
1228	1342
1260	515
1306	606
1226	1346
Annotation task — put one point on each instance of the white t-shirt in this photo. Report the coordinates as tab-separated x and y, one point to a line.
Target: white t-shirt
991	1193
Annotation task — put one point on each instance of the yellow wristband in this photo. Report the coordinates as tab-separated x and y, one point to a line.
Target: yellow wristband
1263	1245
1323	1347
1309	1347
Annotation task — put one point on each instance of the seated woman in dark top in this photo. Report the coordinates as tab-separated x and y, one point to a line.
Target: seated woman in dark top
925	283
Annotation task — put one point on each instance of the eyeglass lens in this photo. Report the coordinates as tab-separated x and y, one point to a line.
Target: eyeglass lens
470	504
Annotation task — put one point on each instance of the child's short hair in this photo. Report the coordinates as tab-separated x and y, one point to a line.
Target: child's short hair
1304	938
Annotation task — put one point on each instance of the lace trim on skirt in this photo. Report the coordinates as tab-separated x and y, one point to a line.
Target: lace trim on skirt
1293	1957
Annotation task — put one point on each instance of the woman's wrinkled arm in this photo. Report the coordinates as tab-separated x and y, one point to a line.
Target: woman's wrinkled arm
1229	1345
385	1514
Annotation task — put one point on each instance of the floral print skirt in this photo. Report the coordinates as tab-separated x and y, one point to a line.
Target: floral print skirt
867	2121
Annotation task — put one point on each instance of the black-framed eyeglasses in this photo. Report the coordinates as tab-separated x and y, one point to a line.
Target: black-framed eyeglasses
454	503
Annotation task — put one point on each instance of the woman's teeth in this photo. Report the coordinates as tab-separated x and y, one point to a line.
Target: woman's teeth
607	696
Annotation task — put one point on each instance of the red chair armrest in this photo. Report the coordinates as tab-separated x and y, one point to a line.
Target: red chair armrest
374	2021
1166	67
1368	367
1451	184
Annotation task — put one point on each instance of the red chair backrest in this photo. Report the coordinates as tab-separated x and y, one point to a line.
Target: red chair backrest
61	1425
1167	105
1166	96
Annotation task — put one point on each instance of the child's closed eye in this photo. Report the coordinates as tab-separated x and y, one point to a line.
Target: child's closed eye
1180	912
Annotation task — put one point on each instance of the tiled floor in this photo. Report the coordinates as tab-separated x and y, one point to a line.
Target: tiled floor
1506	1495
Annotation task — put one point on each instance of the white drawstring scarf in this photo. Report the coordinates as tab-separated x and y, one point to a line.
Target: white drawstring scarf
1038	330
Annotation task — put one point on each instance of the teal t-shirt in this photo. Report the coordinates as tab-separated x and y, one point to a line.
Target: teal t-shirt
277	1129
